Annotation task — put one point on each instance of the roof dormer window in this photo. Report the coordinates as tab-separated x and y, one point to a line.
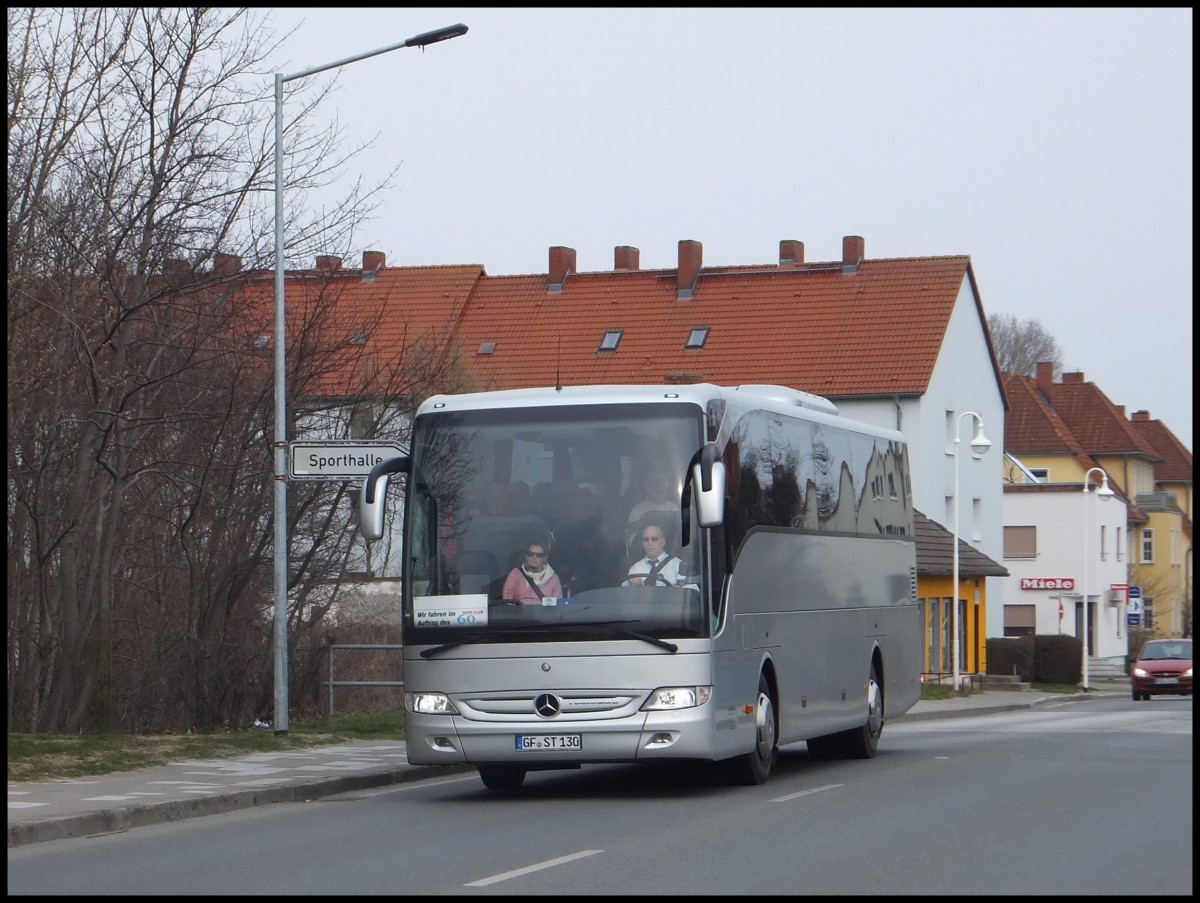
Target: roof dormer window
611	340
698	337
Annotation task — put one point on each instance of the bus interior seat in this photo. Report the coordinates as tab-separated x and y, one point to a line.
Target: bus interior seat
476	568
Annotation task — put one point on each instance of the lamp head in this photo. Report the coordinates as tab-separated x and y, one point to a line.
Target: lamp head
980	444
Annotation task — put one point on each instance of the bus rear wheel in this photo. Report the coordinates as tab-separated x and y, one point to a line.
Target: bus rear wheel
863	742
755	766
502	777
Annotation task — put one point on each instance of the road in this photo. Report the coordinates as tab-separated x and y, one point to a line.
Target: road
1081	799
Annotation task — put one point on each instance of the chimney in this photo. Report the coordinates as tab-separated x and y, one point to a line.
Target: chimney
330	263
226	264
1045	377
1140	416
1075	378
626	258
691	254
373	261
791	253
853	248
562	265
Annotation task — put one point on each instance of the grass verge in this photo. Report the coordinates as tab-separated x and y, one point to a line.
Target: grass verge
47	757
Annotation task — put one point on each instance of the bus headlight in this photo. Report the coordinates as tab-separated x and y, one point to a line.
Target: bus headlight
665	698
429	704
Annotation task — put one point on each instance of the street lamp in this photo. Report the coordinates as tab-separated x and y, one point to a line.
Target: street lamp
1105	494
979	446
280	446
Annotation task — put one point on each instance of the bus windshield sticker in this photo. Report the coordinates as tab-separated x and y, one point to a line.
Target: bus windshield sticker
466	610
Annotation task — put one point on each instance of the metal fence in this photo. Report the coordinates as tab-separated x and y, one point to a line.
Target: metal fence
358	683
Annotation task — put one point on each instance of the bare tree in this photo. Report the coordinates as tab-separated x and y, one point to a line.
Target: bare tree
1021	345
139	414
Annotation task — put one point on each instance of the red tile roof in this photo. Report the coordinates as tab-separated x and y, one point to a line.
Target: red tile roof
870	329
877	331
1031	426
1099	425
1176	464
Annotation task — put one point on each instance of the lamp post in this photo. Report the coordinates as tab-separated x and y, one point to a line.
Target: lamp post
979	446
280	444
1105	494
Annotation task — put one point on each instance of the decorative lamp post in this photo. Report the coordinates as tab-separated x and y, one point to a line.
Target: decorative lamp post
280	444
979	447
1105	494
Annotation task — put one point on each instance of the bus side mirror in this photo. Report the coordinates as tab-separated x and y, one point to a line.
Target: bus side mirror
708	482
373	496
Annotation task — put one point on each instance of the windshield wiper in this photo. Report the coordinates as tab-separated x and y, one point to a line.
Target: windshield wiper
434	650
480	637
604	626
611	627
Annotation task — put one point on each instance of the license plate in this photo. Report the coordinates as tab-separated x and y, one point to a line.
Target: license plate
1166	680
549	741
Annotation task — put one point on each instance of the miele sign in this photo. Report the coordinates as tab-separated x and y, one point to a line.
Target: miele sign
1047	583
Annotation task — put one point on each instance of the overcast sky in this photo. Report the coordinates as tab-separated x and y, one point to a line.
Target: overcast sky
1052	146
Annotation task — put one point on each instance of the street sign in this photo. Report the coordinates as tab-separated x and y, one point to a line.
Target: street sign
1135	592
1134	607
339	460
1134	619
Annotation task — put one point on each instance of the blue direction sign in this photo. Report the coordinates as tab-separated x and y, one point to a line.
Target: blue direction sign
1134	619
339	460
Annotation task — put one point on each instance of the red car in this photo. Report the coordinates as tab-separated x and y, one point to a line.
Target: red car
1163	666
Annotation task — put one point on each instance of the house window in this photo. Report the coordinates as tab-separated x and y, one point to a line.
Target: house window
611	340
262	341
359	338
1120	546
487	347
1020	620
1020	542
697	338
1148	612
950	425
976	519
1042	473
1147	546
1103	540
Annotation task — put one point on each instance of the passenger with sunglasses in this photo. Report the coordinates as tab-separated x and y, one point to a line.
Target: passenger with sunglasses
533	579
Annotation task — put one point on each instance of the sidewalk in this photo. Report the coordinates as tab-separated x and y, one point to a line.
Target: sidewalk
55	810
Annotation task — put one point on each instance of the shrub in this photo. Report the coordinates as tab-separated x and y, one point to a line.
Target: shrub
1011	655
1057	659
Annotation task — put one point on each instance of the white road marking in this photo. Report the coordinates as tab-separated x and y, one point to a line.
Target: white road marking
516	873
792	796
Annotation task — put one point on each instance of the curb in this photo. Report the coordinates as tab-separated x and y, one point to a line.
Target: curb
1081	696
123	818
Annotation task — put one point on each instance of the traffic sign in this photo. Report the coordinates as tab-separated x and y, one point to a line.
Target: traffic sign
1134	619
1135	592
339	460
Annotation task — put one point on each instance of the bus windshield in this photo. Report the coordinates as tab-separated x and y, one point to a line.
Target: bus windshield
540	524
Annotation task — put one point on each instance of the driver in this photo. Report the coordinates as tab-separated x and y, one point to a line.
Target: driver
657	568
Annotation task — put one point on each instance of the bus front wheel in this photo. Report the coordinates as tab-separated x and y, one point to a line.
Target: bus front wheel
755	766
502	777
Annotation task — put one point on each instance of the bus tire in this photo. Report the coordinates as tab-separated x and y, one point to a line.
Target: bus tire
755	766
862	742
502	777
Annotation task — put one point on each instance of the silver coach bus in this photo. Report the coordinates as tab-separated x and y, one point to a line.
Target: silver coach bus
792	617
